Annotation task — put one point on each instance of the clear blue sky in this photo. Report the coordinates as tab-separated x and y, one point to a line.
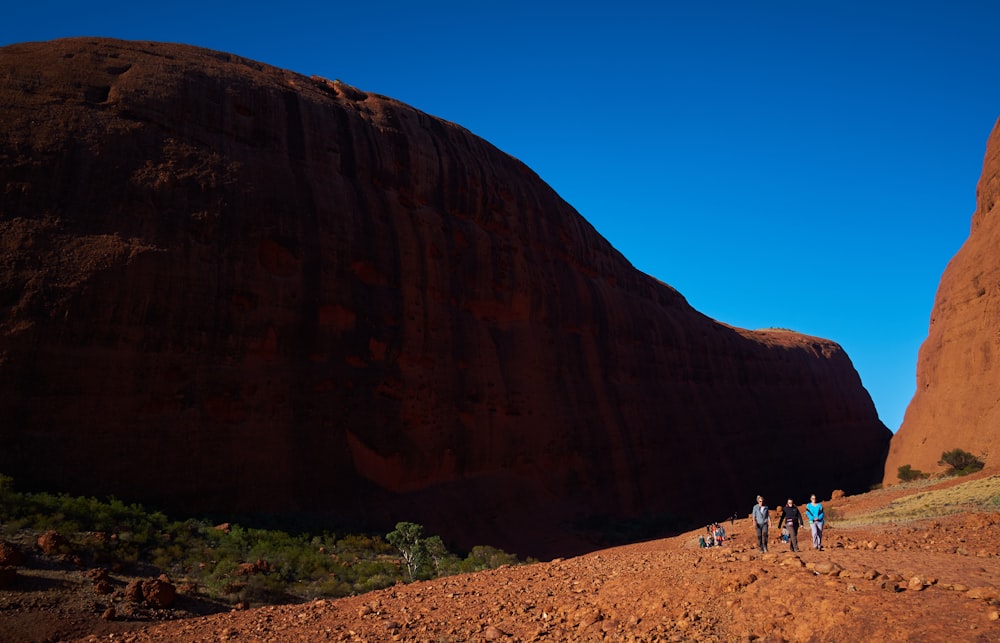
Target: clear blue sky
808	165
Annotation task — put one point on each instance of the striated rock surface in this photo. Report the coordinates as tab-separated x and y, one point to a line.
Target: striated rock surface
957	402
230	287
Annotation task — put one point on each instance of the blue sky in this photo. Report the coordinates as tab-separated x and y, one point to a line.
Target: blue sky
808	165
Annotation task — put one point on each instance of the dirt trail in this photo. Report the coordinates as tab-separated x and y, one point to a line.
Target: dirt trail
933	579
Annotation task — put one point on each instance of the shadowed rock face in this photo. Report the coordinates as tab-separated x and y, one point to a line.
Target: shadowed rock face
957	402
230	287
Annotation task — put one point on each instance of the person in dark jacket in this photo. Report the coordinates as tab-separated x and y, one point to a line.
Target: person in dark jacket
792	520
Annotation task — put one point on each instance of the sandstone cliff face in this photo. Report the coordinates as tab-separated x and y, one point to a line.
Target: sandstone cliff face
229	287
957	402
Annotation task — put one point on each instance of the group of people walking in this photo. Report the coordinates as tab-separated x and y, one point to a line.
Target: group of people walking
715	536
791	519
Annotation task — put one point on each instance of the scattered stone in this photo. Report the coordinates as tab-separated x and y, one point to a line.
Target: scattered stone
98	574
52	543
985	593
10	555
827	568
588	617
159	592
890	586
133	591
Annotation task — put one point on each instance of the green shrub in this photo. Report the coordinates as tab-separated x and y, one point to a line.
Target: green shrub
960	463
908	474
294	566
486	557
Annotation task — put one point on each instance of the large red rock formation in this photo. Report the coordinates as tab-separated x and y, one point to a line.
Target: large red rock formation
230	287
957	402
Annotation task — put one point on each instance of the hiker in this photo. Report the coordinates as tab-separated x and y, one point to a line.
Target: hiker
701	542
791	518
784	534
720	534
814	511
761	518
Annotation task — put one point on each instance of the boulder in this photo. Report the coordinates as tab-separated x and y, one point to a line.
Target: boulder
52	543
133	591
159	592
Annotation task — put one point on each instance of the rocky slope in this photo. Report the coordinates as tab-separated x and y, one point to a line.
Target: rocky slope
913	563
957	402
230	287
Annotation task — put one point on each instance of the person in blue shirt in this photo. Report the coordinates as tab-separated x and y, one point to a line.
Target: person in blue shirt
814	511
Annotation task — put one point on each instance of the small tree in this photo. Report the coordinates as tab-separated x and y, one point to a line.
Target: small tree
424	557
908	474
406	538
437	554
960	463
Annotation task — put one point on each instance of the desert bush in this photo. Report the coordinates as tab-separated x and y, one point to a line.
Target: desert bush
486	557
334	588
295	566
6	485
906	473
960	463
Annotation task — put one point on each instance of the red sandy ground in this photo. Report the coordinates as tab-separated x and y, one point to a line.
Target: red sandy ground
929	580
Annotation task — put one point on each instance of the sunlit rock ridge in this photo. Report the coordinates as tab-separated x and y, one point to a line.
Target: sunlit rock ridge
957	401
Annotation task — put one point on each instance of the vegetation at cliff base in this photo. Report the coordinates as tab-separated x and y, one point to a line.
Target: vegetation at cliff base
906	473
960	463
230	562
